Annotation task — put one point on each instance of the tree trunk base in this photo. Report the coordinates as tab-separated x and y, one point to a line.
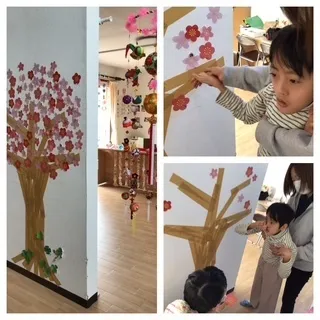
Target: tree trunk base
35	261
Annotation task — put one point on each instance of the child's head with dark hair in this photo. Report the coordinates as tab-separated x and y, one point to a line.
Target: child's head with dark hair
291	70
279	216
205	289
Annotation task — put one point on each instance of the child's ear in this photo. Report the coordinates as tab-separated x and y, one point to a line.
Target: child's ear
284	227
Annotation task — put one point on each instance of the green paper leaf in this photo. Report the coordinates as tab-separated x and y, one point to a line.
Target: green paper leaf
54	268
39	236
42	264
47	250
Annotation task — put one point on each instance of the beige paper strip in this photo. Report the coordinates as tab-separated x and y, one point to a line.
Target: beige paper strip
174	14
234	193
184	232
183	90
18	258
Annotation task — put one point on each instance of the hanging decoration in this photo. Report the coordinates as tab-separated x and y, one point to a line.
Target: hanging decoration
133	74
126	99
132	22
137	51
137	100
150	64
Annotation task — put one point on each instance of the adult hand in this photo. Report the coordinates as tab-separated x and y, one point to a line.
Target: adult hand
261	225
309	125
283	252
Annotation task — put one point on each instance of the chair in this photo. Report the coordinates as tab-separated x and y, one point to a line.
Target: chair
265	52
245	53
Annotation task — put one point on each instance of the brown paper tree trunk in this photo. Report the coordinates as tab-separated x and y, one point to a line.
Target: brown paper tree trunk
33	185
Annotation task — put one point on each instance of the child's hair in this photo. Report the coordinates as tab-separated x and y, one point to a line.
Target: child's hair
288	48
204	289
281	212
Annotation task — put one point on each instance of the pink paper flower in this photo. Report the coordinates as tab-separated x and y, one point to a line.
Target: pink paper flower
214	173
191	62
20	66
143	12
240	198
181	40
206	33
214	14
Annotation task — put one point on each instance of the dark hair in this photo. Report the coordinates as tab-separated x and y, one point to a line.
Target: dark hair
302	18
204	289
288	49
304	171
281	212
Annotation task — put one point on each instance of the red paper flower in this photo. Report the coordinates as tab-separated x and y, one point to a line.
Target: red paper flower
60	104
53	174
52	103
249	171
11	103
51	145
180	103
8	130
17	164
12	81
69	146
206	51
44	166
37	142
27	163
26	143
29	135
167	205
18	103
56	76
20	146
192	33
76	78
20	66
46	121
37	93
11	93
62	132
36	117
65	166
30	75
52	157
247	205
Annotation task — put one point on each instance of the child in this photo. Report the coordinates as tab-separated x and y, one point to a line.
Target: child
271	269
204	292
287	100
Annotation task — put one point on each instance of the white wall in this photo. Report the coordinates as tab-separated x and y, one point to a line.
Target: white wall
275	177
268	12
44	35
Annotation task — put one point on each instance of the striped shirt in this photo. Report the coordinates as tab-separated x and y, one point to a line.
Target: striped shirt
281	239
179	306
264	104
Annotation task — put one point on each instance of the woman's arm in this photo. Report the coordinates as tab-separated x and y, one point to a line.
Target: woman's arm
305	252
247	78
282	142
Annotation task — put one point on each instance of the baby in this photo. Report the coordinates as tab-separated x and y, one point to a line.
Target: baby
287	100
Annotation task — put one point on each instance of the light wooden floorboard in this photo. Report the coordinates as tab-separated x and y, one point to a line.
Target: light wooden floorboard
245	279
127	261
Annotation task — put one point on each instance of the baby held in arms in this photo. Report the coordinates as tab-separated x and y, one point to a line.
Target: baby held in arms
285	102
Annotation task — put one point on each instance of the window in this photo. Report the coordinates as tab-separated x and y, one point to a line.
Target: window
104	112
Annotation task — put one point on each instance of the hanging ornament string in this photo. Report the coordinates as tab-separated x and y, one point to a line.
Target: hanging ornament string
133	27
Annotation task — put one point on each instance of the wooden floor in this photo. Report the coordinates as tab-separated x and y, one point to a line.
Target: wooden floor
245	279
127	266
246	144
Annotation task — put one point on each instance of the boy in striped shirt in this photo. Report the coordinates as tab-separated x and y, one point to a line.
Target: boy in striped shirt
271	269
287	100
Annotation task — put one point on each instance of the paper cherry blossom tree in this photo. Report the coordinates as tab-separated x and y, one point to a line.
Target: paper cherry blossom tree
43	139
204	241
